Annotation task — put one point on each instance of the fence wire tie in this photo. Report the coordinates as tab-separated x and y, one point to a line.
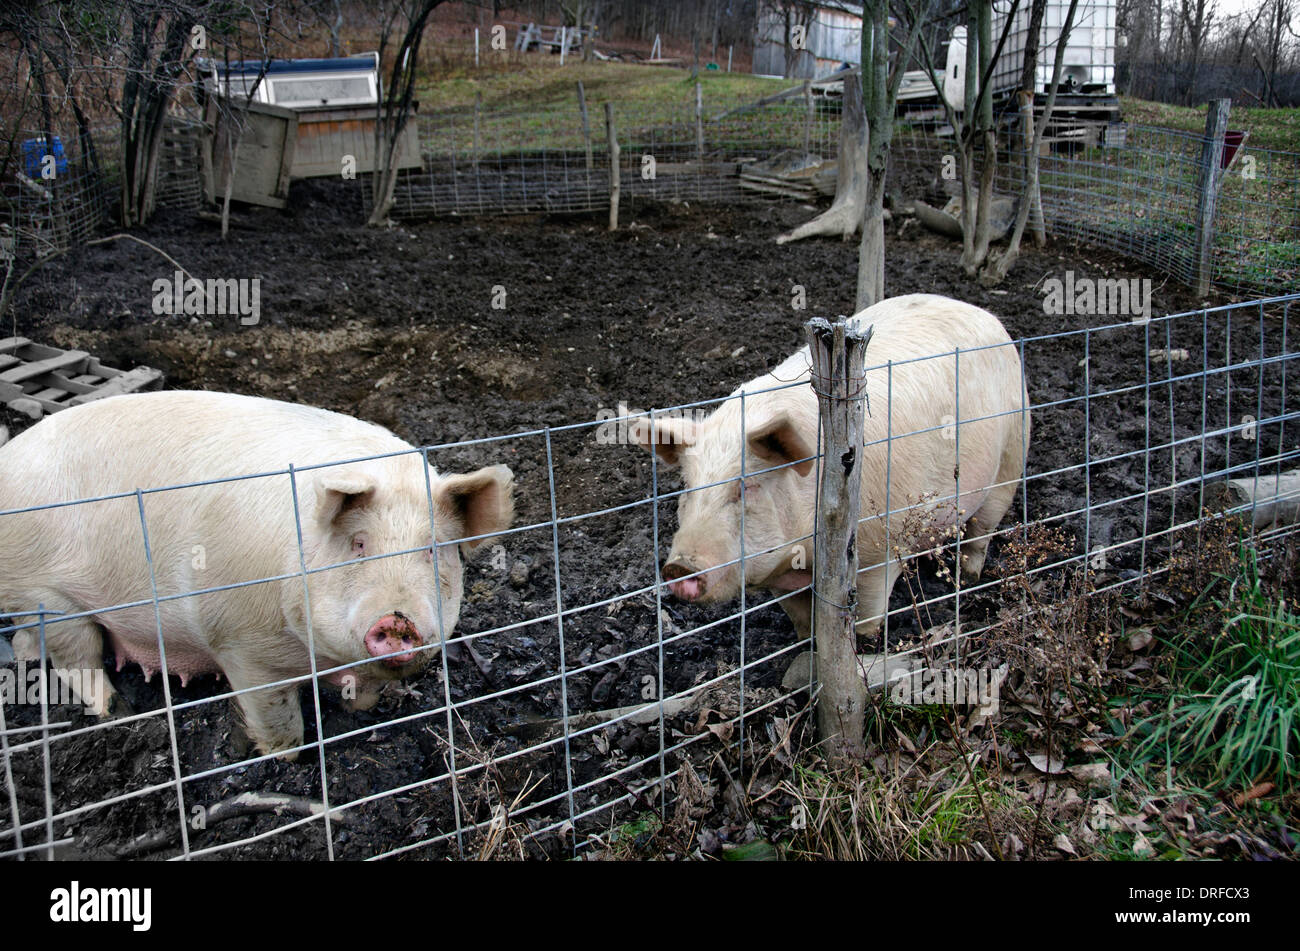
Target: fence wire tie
859	392
844	609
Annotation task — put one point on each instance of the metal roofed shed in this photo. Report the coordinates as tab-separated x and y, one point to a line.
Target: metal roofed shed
310	115
300	83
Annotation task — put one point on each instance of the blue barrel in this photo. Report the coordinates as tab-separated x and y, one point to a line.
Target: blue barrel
34	152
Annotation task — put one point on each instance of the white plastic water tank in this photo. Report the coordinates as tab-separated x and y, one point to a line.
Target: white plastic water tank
954	79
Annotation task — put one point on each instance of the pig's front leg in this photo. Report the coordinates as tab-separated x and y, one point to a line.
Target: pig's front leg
271	716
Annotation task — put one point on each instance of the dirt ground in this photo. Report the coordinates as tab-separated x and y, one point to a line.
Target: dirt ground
681	304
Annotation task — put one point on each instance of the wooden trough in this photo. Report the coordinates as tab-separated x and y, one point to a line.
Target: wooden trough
36	379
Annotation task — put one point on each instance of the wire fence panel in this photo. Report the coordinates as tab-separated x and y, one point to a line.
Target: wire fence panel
1134	190
576	689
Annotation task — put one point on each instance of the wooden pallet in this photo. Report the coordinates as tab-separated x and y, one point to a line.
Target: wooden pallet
36	379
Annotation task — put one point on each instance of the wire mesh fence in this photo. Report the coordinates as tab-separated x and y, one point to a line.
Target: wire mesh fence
557	159
576	688
53	193
1135	189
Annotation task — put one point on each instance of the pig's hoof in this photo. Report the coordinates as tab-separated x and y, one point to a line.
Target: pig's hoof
116	707
363	699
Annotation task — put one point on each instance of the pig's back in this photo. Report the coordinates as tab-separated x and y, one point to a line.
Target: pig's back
152	440
908	328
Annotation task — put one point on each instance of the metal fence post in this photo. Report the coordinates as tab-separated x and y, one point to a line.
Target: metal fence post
838	358
1207	190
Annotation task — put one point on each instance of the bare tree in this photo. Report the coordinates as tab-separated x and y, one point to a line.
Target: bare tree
975	125
796	18
880	97
998	268
1195	16
137	55
394	109
1276	28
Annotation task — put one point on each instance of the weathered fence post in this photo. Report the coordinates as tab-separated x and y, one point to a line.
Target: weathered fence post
478	111
699	123
614	183
808	116
1207	187
586	124
838	378
728	59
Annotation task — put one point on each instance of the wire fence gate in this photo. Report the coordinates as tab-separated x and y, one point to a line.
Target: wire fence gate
582	704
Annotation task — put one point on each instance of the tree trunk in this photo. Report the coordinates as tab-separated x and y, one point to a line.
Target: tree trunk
1030	200
846	212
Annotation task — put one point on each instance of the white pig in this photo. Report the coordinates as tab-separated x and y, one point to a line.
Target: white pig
781	430
91	556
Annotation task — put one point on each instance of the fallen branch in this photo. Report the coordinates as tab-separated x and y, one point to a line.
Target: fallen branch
244	804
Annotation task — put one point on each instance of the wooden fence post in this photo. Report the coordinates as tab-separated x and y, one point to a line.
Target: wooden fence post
699	123
838	378
1207	186
614	184
478	111
808	116
586	125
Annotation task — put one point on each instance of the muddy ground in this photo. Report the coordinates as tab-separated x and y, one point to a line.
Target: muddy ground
683	303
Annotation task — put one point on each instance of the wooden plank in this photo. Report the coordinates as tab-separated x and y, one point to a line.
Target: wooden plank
13	343
132	381
29	370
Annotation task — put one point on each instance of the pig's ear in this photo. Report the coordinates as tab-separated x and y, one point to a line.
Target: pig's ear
342	490
671	435
478	503
778	441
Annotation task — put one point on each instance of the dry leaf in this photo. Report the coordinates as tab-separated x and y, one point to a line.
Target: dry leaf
1101	816
1092	774
1064	844
1254	792
1142	848
1140	638
1039	762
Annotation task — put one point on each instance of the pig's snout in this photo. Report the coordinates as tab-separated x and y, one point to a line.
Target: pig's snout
393	638
688	589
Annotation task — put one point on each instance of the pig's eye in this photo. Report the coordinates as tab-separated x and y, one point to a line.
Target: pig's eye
358	546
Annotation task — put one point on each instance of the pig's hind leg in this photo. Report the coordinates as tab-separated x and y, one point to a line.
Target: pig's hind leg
981	526
875	583
271	716
75	650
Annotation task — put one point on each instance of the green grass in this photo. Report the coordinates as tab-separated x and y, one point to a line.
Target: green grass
544	85
1232	716
1277	129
